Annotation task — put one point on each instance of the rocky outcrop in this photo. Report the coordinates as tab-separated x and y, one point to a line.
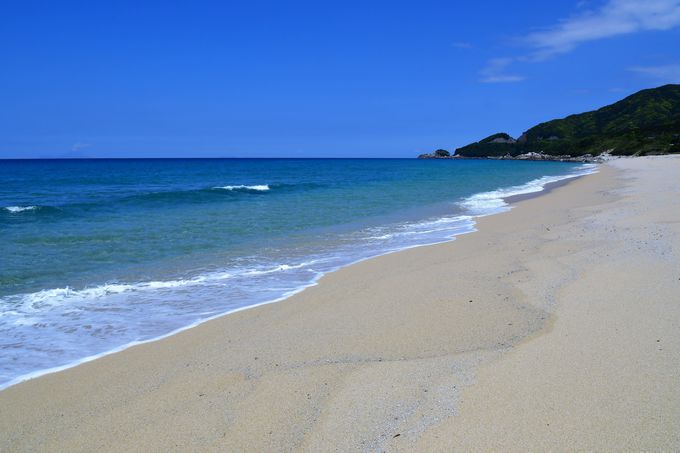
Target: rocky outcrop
503	140
586	158
438	154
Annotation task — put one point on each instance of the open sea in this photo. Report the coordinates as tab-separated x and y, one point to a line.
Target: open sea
98	255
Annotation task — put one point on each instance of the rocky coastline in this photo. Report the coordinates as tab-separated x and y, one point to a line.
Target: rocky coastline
586	158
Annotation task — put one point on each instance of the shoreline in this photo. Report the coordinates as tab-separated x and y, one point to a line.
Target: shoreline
533	318
549	187
509	200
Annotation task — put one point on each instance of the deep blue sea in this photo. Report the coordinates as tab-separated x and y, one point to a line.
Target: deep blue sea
97	255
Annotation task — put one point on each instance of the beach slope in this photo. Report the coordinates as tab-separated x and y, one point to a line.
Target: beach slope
555	326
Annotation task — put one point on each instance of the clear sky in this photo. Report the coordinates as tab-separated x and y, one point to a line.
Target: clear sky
311	78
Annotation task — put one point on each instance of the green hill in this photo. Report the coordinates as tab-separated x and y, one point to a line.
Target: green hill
647	122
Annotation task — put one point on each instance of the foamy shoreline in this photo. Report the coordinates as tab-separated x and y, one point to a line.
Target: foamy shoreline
530	334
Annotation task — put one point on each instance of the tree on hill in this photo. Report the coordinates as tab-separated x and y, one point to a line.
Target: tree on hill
647	122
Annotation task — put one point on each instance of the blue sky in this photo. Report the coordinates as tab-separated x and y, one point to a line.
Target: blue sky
314	79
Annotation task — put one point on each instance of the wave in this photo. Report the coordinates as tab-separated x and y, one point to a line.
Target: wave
18	209
209	194
279	268
444	227
39	300
202	195
226	193
25	212
257	188
495	201
31	302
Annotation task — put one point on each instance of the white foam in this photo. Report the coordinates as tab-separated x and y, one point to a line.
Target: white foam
33	302
279	268
492	202
443	224
259	187
37	301
71	364
16	209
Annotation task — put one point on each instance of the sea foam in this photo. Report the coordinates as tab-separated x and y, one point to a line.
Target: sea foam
492	202
257	187
17	209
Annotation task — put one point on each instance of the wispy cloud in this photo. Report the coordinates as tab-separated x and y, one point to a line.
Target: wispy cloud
78	146
669	73
496	72
461	45
613	18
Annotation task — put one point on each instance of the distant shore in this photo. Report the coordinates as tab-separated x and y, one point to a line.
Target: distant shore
554	326
585	159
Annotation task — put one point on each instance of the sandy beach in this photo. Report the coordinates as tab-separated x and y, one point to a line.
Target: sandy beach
555	326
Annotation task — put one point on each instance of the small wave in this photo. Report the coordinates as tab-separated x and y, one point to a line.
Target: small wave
448	226
17	209
32	302
200	195
492	202
279	268
210	194
258	187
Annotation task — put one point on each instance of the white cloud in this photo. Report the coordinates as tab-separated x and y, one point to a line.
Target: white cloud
614	18
461	45
665	73
496	72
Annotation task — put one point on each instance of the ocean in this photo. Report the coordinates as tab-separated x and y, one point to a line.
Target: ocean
97	255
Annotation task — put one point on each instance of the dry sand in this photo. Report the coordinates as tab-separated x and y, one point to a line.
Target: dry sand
555	326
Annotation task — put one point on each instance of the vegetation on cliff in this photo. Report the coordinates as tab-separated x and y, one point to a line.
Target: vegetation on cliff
647	122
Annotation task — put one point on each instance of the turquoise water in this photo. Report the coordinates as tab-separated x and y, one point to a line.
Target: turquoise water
100	254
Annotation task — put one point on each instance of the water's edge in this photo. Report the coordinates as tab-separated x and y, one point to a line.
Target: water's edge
531	189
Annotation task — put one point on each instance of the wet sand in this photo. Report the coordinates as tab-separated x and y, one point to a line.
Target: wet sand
554	326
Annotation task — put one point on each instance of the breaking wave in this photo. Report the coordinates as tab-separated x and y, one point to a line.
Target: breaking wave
257	188
495	201
17	209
